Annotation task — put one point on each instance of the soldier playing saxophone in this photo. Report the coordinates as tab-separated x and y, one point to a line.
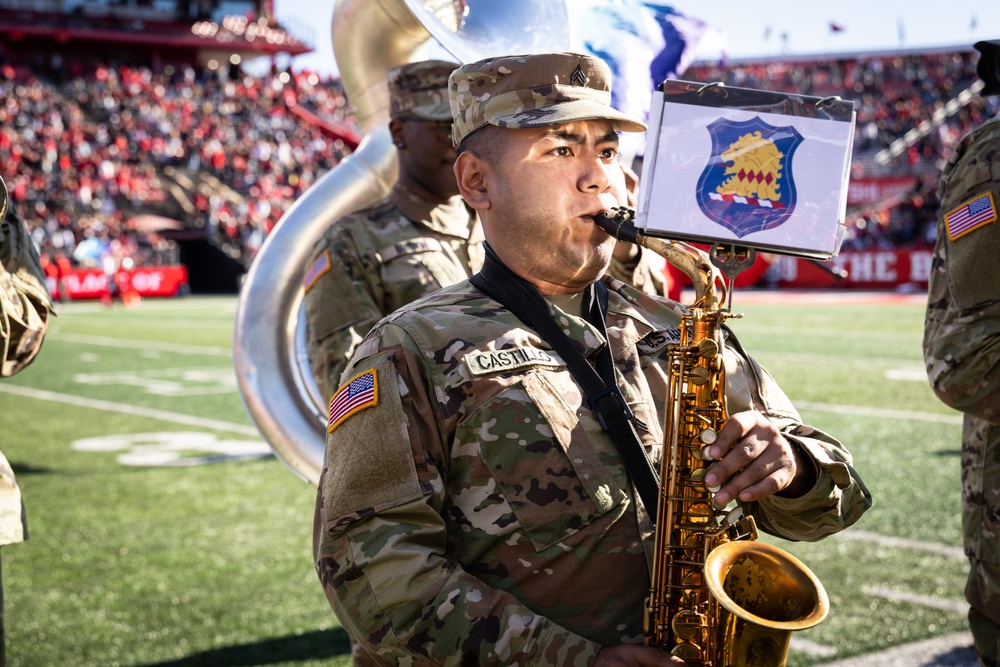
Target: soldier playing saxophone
474	508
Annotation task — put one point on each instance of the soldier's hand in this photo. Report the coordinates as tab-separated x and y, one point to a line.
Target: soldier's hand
754	460
628	655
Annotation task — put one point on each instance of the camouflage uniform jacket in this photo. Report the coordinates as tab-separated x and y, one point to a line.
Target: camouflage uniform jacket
377	260
474	513
962	345
25	308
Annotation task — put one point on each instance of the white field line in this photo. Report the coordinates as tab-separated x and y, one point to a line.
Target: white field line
812	648
134	410
773	356
106	341
959	606
839	334
878	413
901	543
220	305
954	650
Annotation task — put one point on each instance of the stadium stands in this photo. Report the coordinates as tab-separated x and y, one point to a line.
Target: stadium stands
91	144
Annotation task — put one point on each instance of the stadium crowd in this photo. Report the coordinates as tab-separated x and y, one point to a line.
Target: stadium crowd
89	145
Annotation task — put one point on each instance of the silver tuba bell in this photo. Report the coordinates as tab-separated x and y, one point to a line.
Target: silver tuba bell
369	38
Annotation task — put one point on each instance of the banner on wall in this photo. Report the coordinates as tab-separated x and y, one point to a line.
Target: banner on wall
896	270
143	281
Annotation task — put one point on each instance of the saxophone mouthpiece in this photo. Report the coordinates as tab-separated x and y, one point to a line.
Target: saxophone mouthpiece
617	222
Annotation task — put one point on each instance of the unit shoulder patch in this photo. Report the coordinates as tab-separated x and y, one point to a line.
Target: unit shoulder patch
970	215
359	393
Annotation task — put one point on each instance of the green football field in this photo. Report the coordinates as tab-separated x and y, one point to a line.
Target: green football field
162	532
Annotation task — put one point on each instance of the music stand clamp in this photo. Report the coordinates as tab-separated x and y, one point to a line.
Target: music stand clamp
732	260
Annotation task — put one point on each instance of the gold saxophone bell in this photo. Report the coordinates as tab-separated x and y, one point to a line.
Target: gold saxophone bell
767	594
718	597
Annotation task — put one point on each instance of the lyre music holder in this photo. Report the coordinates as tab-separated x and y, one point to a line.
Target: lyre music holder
747	168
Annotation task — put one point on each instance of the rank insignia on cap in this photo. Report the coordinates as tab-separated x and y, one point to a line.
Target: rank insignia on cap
316	271
973	214
360	393
578	78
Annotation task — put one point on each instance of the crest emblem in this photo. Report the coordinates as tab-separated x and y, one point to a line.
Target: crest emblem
748	184
578	78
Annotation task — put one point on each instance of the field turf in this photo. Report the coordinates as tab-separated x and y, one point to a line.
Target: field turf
162	532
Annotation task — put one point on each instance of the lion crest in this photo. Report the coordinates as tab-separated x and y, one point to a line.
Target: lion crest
755	170
748	184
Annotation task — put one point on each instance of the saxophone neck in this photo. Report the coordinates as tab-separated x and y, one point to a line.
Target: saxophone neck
709	287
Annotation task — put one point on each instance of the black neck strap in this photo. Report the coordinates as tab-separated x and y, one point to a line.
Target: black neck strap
605	399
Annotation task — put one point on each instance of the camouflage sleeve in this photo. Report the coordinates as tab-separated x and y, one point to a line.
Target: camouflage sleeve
838	498
644	272
962	323
380	539
340	307
962	349
25	304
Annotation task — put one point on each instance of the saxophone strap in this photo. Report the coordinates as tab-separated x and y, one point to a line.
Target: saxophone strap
603	395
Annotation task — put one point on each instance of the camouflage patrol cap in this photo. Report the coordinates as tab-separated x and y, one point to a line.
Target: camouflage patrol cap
988	67
420	89
533	91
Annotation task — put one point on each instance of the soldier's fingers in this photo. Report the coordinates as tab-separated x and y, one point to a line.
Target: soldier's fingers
767	475
736	447
746	469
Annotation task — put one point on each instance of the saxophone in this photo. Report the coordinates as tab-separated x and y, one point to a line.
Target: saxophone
718	598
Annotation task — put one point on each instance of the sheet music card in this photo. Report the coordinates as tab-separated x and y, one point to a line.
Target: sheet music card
747	167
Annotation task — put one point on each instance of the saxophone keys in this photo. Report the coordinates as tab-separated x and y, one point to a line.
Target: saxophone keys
687	625
707	438
690	653
700	376
708	348
697	479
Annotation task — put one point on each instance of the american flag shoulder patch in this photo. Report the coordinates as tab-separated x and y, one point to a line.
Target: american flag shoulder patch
359	393
320	266
973	214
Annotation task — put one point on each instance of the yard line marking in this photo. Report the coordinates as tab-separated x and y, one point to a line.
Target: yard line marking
107	341
815	332
954	650
134	410
960	606
901	543
812	648
776	356
165	306
880	413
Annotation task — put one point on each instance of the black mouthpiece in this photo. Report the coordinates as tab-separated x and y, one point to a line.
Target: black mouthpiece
617	222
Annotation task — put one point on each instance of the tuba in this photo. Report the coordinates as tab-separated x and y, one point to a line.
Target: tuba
718	598
3	200
369	37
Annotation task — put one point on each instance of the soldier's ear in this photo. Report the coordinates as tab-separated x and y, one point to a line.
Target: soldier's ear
396	130
473	176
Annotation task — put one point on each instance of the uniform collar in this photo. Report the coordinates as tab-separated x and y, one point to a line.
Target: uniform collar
452	218
627	324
